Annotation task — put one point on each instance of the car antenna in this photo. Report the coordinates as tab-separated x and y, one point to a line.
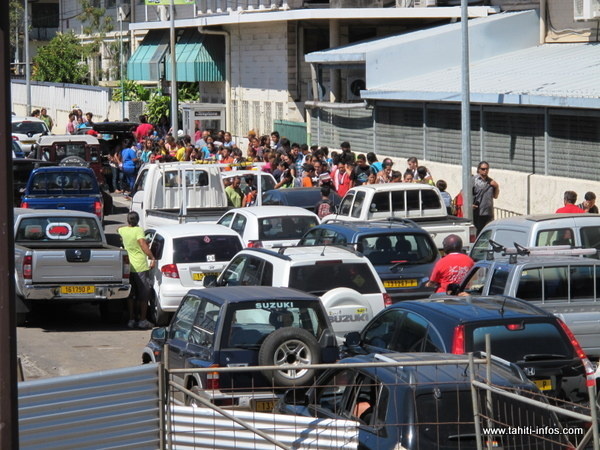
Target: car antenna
502	306
323	252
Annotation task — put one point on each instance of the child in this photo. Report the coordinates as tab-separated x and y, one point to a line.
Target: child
441	185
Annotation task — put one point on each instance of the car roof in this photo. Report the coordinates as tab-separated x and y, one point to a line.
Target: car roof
194	229
394	187
273	211
61	169
519	220
238	294
243	173
88	139
51	212
309	253
380	227
540	259
26	119
472	308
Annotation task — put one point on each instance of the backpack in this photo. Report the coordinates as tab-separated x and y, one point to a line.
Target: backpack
323	209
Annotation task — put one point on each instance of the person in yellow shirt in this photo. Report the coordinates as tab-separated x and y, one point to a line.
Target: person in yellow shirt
180	153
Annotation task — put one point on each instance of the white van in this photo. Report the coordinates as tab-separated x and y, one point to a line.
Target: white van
576	230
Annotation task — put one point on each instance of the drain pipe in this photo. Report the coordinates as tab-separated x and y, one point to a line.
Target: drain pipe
202	30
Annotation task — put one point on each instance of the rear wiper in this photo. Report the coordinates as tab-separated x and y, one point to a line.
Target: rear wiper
398	263
462	437
542	356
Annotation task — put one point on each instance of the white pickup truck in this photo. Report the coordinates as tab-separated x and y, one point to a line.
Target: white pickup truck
420	203
62	256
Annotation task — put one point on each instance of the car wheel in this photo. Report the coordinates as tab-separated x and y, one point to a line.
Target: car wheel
289	346
111	311
157	315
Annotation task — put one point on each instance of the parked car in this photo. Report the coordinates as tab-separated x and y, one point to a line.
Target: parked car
244	326
269	226
17	150
415	408
538	342
402	253
28	130
345	280
550	279
21	171
579	230
71	188
305	198
185	254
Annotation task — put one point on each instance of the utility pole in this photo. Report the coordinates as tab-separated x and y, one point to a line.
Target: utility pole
121	71
467	191
9	416
174	108
27	66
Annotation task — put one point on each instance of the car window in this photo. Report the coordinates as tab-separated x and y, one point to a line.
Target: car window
226	220
509	237
498	281
345	204
157	246
267	183
311	237
181	325
269	198
63	182
326	275
286	227
366	403
475	281
333	392
430	199
559	236
359	199
239	224
481	245
401	248
514	341
50	228
590	238
205	248
558	283
380	332
398	200
27	127
381	202
247	270
140	181
203	329
412	336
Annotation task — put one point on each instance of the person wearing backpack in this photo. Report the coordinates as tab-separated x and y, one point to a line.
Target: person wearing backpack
325	206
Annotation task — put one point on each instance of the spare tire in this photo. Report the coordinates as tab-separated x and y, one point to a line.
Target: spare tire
289	346
74	161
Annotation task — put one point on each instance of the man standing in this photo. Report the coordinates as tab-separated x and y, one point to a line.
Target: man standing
485	190
361	171
569	200
144	129
234	193
138	251
46	118
324	206
589	205
453	267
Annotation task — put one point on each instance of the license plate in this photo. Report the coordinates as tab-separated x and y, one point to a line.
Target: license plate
400	283
77	290
264	405
543	385
199	276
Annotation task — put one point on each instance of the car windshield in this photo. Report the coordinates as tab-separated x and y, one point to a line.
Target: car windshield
401	248
27	127
326	275
252	323
64	150
205	248
63	182
48	229
519	340
288	227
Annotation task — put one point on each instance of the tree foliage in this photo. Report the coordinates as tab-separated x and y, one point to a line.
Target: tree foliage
133	92
16	13
61	61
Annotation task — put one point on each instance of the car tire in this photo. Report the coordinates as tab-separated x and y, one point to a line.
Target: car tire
157	315
111	311
289	346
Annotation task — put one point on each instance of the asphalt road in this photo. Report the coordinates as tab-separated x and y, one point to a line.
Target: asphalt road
59	341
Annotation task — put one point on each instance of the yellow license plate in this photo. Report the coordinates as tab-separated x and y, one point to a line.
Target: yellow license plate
77	290
199	276
400	283
264	405
543	385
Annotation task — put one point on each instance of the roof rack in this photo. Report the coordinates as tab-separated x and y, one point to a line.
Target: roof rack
281	250
550	250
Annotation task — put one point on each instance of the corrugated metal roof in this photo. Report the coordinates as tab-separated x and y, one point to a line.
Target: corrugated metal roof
562	75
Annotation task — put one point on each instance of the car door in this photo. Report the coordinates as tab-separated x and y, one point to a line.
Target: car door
378	335
180	331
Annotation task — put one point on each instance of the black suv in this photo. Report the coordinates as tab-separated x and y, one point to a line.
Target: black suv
538	342
402	253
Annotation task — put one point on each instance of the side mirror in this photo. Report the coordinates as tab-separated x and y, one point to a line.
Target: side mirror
159	334
296	397
453	289
209	281
352	339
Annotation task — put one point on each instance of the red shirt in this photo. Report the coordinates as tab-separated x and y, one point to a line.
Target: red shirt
452	268
343	183
143	130
570	208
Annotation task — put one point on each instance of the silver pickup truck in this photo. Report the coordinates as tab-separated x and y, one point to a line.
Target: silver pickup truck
62	256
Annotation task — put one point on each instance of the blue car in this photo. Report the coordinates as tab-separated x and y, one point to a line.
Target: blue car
402	252
64	187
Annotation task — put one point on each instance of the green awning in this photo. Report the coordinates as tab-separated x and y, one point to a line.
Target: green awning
199	57
146	63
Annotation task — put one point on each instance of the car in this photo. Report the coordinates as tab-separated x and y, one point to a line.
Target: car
17	150
345	280
402	253
305	198
538	342
267	180
244	326
71	188
411	407
185	254
28	130
269	226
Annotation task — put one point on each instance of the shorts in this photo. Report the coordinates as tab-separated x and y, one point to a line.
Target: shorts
140	284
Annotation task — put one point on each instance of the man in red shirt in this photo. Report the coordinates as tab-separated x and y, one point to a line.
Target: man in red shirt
570	199
453	267
144	129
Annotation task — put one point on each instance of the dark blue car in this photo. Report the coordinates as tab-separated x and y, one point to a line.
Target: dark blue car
64	187
402	252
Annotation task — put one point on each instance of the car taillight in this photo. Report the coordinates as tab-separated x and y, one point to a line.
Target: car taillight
472	235
515	326
212	380
170	271
28	267
458	340
255	244
98	209
24	205
15	138
387	300
126	267
589	368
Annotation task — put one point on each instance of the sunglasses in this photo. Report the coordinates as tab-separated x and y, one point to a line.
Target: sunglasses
484	168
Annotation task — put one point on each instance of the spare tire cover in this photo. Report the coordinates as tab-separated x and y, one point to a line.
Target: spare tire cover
348	310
